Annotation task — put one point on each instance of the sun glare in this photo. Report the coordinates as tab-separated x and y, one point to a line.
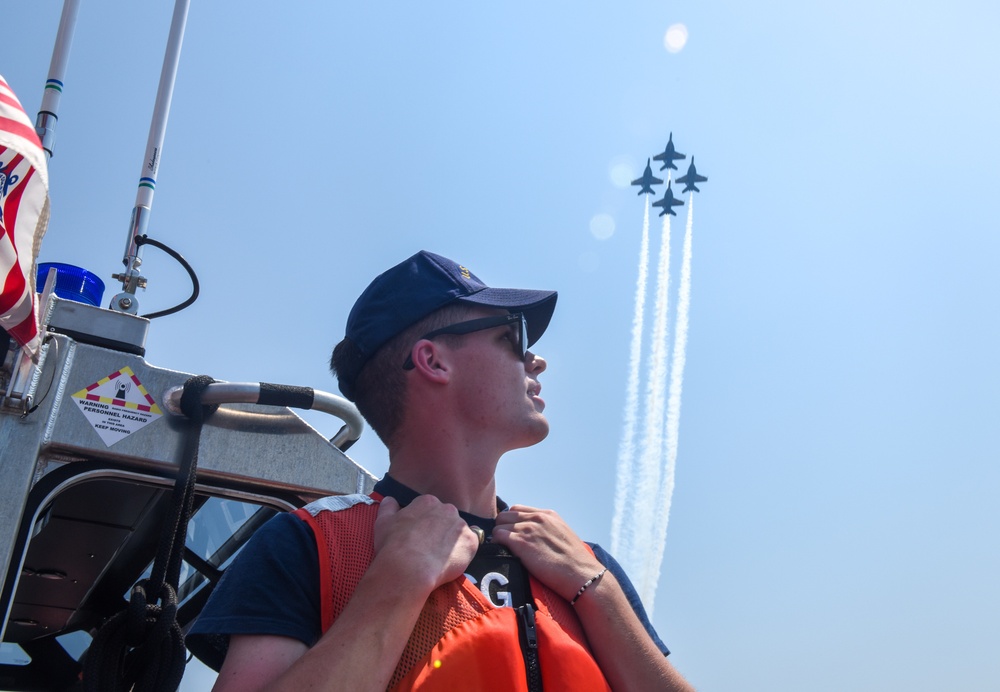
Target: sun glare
621	172
676	38
602	226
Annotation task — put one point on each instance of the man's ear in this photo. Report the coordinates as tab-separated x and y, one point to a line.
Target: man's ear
430	361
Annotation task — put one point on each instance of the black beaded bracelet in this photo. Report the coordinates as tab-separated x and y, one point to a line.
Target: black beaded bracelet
584	587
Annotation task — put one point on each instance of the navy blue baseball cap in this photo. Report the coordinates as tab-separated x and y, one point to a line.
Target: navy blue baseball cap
418	286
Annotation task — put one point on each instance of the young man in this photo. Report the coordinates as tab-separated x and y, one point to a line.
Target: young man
433	582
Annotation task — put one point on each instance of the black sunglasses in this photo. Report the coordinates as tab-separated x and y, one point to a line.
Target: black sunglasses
516	319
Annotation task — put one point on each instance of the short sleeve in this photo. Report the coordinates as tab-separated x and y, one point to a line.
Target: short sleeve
608	561
271	588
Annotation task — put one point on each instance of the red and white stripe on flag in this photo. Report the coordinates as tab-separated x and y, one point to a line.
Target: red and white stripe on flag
24	215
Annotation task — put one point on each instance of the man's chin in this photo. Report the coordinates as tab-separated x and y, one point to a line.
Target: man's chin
539	432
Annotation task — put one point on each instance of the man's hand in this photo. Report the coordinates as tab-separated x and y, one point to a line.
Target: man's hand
417	549
427	539
547	547
557	557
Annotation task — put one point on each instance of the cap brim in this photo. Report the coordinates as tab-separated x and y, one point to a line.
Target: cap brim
537	306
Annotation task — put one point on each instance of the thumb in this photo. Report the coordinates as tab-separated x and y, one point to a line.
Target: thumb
387	507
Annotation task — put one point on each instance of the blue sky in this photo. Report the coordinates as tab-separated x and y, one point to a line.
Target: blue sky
835	518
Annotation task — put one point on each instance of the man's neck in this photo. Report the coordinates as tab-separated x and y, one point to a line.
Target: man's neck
462	481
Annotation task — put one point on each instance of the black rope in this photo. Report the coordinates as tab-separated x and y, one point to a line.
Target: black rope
142	647
141	240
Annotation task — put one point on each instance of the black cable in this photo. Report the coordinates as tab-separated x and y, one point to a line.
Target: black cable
141	240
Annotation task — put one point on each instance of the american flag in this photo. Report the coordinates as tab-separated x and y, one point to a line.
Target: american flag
24	214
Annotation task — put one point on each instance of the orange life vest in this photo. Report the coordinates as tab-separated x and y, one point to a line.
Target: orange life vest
461	641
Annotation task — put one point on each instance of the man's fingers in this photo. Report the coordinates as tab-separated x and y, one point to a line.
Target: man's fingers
388	507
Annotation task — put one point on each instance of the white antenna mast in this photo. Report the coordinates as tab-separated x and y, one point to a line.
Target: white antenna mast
131	278
45	123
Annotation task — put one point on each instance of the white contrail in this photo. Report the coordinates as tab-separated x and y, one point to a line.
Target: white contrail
626	452
648	481
673	406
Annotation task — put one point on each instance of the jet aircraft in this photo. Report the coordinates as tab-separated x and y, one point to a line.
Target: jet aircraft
647	180
691	178
669	155
668	202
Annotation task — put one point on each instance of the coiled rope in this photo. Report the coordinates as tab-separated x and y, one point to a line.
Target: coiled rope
141	648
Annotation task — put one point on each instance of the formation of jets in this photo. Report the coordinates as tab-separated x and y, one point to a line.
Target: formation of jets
690	180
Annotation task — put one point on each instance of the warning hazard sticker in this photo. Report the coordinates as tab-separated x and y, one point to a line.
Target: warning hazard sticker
117	405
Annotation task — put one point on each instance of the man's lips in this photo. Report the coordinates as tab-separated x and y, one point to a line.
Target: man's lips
533	393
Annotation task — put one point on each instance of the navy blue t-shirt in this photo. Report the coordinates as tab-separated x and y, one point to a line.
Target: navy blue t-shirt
272	587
